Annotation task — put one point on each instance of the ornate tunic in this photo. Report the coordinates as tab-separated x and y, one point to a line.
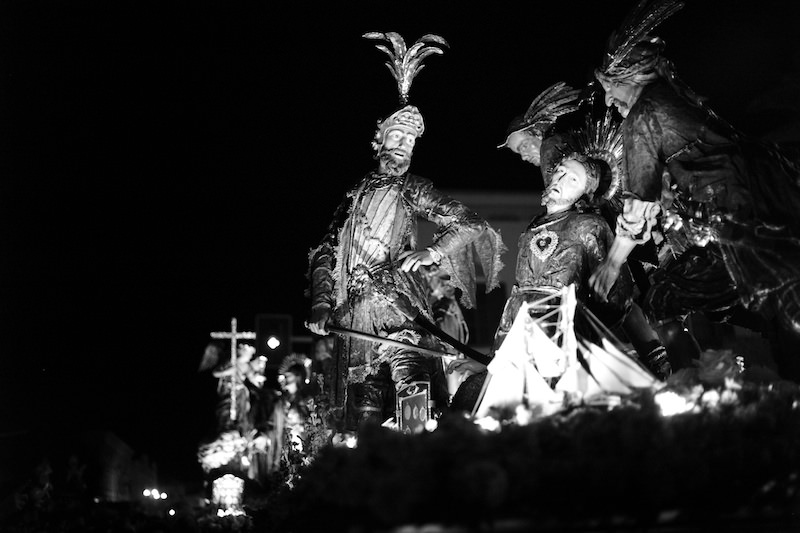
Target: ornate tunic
557	250
741	196
355	271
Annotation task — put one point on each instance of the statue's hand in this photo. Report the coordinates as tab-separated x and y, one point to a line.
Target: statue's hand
413	260
319	319
603	279
465	366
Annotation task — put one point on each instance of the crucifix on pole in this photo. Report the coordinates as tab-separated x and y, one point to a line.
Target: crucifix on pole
234	336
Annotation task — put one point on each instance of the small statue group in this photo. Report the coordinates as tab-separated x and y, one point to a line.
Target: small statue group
655	208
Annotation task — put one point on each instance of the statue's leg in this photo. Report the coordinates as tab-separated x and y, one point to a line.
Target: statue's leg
407	366
697	281
646	342
368	401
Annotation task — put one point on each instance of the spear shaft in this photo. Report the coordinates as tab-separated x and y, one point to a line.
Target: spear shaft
383	340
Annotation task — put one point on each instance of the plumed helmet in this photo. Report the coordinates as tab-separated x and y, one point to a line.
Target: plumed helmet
639	65
519	124
407	118
557	100
631	50
405	62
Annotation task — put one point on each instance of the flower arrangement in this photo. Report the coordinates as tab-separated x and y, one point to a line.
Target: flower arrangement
231	449
735	450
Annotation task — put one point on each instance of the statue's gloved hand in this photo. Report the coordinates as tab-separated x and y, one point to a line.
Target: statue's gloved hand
465	366
603	278
319	319
411	260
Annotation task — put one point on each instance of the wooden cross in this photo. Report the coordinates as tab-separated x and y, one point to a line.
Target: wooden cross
234	336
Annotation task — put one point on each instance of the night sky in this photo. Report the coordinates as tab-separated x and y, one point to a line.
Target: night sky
167	166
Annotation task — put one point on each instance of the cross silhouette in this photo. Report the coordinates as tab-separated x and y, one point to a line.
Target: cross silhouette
234	336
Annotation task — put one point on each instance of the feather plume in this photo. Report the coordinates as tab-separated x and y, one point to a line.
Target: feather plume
558	99
405	63
643	18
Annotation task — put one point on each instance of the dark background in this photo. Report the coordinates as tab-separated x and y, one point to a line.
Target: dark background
167	166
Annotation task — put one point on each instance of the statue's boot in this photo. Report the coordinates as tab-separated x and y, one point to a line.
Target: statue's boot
657	361
647	343
369	403
681	346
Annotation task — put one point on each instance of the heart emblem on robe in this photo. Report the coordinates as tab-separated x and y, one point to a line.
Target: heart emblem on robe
543	244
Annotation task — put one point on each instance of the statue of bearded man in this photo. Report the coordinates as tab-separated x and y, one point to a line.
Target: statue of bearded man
728	203
366	271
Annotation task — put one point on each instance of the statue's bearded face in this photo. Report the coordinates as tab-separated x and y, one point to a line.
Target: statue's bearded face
527	145
622	95
567	184
395	153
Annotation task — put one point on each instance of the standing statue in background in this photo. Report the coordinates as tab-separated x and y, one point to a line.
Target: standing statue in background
243	439
228	381
365	274
728	203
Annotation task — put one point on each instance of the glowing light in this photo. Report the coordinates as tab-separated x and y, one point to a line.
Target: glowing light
227	493
522	415
710	398
671	403
172	512
155	494
146	492
163	495
351	441
273	342
97	500
431	425
245	461
488	423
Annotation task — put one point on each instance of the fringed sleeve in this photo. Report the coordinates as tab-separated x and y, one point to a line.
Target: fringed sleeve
463	238
322	260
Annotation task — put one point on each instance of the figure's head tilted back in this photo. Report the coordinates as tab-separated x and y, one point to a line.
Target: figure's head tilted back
599	150
576	176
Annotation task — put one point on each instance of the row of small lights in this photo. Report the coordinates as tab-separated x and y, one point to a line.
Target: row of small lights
155	494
